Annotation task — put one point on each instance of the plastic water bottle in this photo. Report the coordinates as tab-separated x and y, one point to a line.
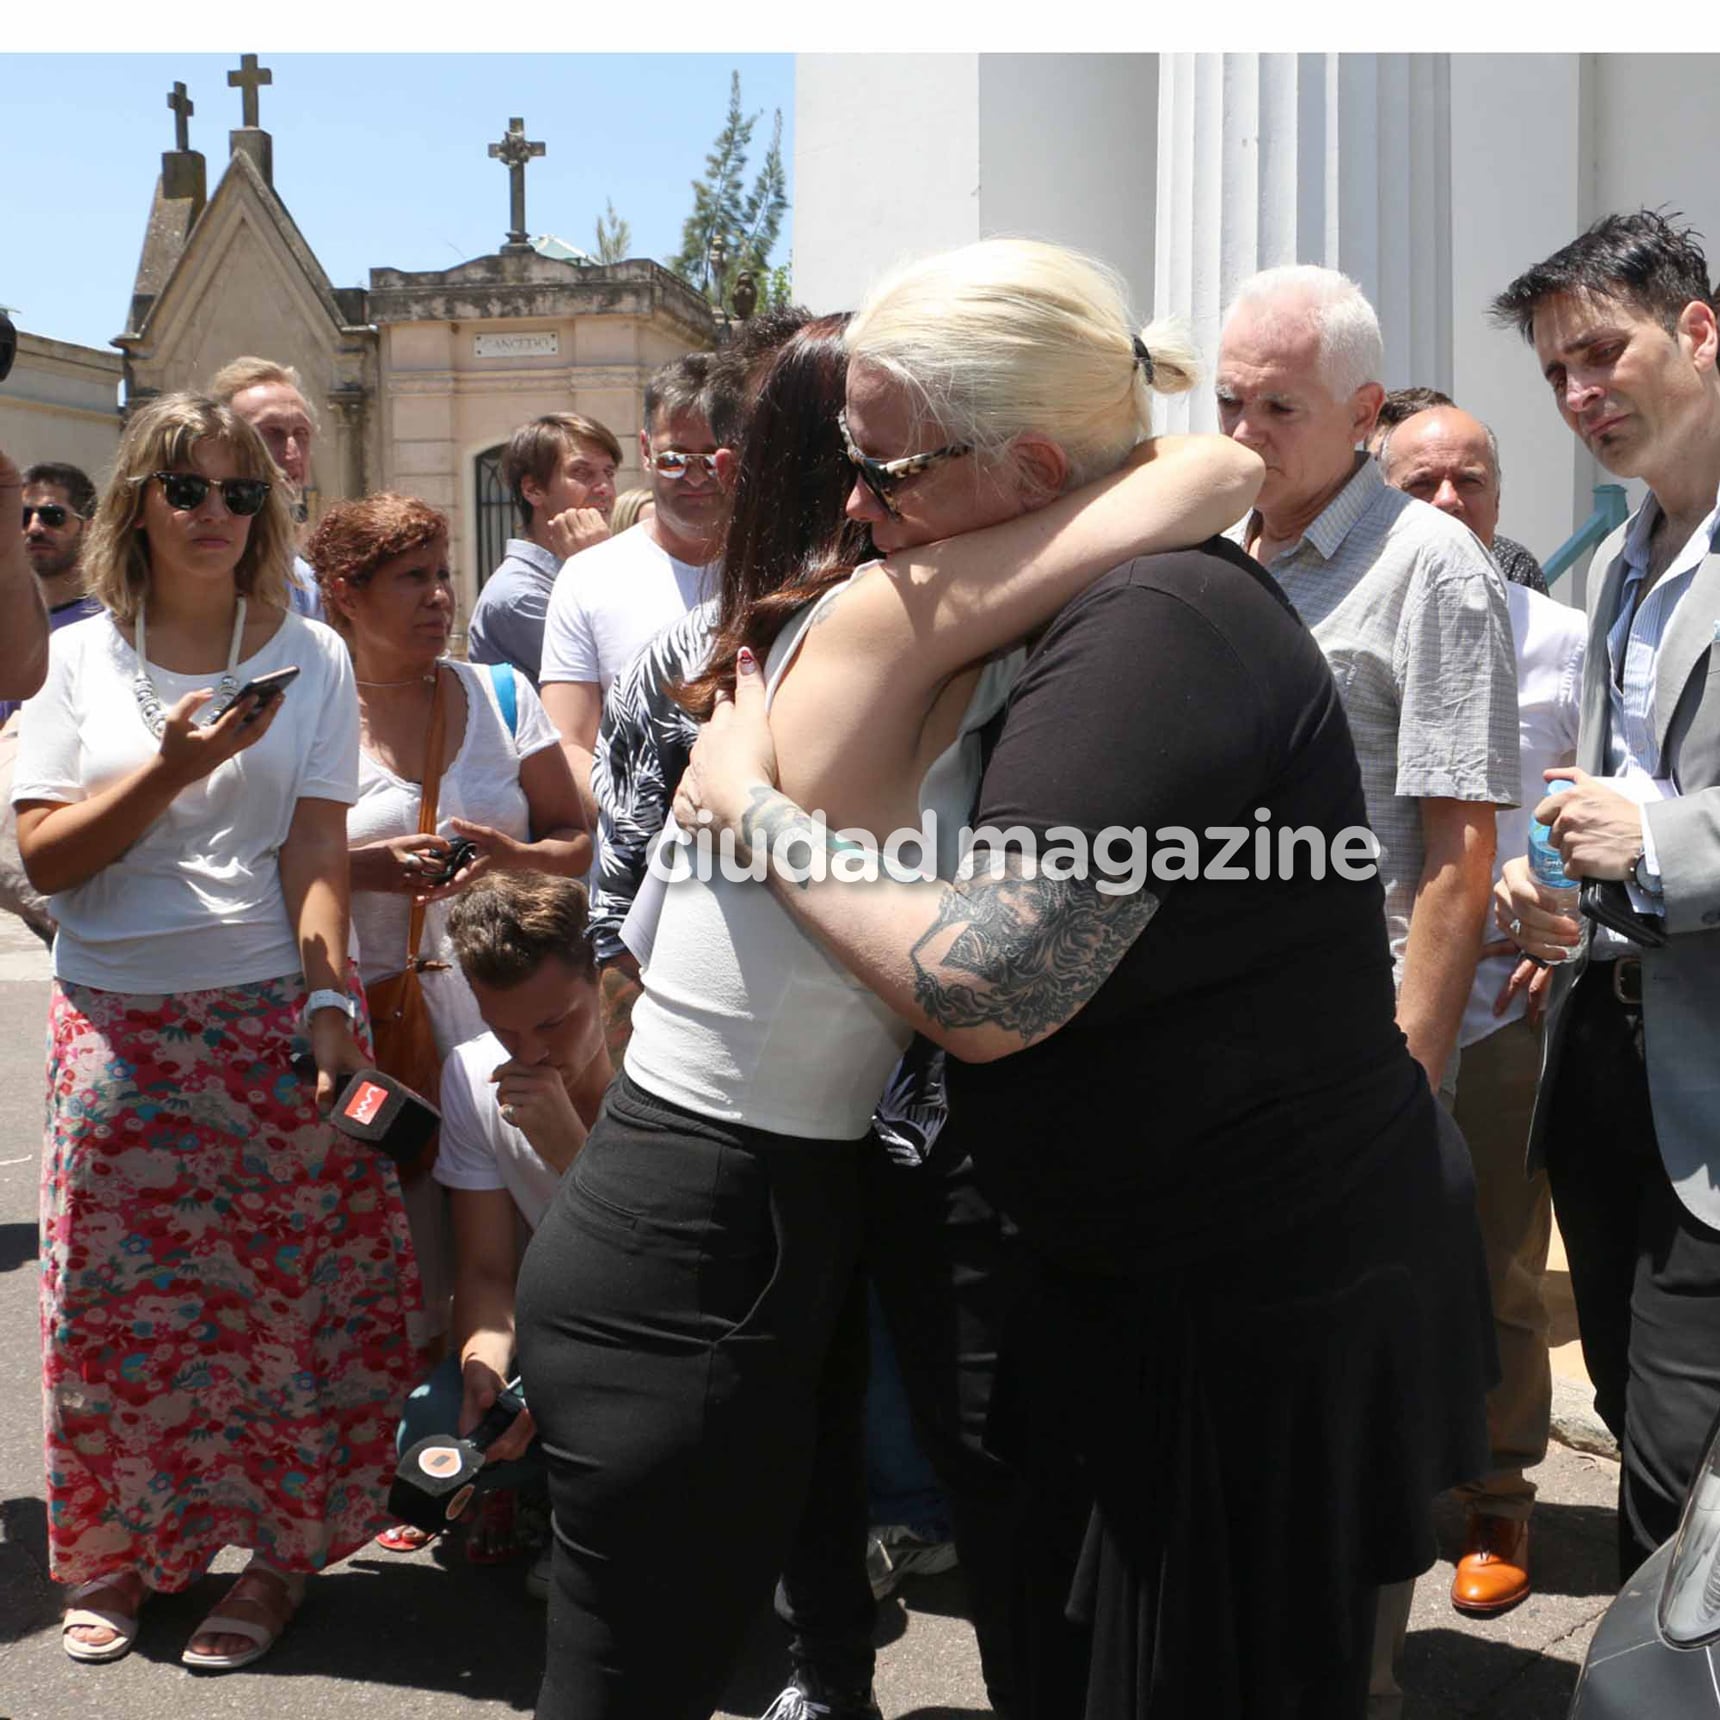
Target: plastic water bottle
1547	867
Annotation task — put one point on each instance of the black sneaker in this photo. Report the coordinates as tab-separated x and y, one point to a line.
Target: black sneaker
809	1698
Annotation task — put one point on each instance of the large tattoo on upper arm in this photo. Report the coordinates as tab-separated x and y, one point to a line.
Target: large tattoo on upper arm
1020	951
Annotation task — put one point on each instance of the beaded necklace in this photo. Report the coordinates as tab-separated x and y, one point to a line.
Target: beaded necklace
143	686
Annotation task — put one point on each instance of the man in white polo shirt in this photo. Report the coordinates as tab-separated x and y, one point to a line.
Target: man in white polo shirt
611	599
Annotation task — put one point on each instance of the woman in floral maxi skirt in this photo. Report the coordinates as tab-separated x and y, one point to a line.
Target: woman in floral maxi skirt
225	1279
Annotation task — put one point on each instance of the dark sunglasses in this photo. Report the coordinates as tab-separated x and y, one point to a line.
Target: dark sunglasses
186	490
51	514
882	477
672	463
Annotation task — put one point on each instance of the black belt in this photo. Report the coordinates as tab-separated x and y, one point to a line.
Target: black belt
1627	981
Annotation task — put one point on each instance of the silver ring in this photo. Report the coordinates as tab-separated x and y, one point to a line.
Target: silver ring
508	1113
1515	927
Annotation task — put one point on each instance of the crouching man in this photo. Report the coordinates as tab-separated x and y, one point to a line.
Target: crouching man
517	1102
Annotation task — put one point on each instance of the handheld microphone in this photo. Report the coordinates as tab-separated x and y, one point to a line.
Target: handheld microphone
437	1478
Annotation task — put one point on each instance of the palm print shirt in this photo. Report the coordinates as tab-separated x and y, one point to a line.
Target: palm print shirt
642	748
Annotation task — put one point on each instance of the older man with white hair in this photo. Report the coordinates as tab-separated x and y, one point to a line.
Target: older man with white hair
1411	615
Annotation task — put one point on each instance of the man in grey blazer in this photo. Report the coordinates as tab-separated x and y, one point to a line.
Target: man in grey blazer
1628	1114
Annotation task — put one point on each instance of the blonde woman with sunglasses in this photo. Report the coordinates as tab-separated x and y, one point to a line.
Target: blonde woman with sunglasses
225	1279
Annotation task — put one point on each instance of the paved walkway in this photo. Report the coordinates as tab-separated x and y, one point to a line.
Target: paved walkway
407	1638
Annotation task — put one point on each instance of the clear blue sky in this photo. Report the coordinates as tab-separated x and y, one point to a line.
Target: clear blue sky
382	158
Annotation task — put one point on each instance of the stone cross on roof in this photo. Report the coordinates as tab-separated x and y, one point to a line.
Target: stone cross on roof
183	108
516	151
248	78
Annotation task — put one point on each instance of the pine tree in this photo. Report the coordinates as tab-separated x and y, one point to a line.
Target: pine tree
614	236
748	221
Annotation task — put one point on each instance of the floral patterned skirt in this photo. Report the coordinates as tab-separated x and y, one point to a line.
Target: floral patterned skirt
225	1288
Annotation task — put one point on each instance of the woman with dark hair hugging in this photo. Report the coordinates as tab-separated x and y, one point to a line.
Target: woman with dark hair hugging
225	1279
677	1303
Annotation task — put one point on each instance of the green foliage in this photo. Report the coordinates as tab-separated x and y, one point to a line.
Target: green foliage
748	219
614	236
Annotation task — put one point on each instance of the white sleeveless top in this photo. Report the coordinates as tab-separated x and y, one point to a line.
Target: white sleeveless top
745	1017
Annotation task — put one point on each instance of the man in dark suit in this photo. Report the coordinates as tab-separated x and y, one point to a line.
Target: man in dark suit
1628	1117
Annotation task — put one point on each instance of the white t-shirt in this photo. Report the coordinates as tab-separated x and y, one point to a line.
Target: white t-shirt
479	1149
1550	639
610	600
196	902
481	785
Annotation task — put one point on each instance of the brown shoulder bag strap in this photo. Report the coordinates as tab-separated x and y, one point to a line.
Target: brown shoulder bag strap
432	792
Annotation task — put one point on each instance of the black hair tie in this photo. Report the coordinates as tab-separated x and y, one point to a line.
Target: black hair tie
1144	359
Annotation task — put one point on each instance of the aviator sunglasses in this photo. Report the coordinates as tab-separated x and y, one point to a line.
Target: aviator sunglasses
52	514
674	464
186	491
882	477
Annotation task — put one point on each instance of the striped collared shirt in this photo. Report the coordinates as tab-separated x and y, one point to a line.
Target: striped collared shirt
1410	612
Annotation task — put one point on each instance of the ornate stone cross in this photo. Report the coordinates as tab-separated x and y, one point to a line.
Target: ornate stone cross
248	78
515	150
183	108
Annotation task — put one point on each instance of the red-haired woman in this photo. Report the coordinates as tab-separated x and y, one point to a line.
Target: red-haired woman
502	783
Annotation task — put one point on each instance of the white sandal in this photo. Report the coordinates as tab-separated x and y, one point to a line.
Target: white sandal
123	1625
262	1637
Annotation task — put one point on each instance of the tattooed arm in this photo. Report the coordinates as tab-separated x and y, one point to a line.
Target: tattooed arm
984	966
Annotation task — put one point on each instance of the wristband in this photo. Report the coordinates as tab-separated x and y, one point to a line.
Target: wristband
327	999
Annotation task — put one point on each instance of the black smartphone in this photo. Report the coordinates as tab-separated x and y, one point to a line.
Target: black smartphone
267	688
461	852
1608	904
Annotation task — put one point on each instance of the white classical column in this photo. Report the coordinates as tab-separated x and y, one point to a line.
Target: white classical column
898	155
1522	192
1340	159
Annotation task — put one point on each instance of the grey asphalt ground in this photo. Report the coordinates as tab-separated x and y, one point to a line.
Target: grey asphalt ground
430	1637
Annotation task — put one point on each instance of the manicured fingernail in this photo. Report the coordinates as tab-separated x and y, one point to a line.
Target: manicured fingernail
747	662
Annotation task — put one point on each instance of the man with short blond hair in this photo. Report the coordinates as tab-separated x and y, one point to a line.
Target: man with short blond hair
270	397
560	471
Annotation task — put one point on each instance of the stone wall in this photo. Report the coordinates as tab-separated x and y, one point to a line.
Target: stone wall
61	402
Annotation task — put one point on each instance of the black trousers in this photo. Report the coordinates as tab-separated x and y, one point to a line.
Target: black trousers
676	1311
946	1269
1645	1273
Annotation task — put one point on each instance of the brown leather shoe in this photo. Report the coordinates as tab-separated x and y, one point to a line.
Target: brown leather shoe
1493	1573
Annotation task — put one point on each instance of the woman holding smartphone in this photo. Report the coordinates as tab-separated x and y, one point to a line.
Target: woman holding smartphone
225	1279
474	736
